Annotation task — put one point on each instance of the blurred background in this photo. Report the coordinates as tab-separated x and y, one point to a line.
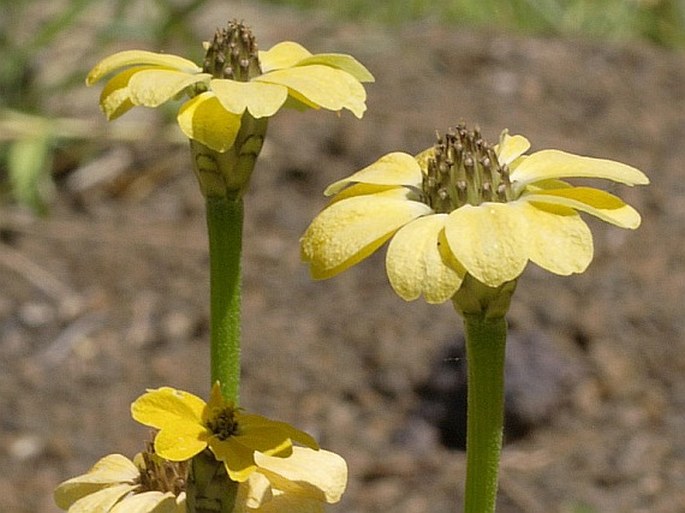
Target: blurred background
103	261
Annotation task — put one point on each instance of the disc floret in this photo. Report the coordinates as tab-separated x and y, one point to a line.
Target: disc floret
232	54
464	169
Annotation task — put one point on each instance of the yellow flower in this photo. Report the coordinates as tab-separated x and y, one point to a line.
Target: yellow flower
462	207
116	484
302	482
235	78
188	426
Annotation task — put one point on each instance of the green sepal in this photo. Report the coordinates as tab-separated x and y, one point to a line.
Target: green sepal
209	488
227	174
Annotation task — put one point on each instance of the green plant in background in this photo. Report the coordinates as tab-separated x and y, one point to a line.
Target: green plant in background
228	460
463	219
29	135
659	21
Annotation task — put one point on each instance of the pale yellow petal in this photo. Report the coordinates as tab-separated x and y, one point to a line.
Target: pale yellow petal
154	87
112	469
547	164
362	189
601	204
148	502
320	475
392	169
350	230
423	157
546	185
101	501
255	491
291	503
510	147
489	241
341	61
558	239
414	263
262	100
139	58
325	87
282	55
205	120
115	96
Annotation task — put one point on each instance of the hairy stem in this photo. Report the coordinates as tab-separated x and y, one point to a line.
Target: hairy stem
485	345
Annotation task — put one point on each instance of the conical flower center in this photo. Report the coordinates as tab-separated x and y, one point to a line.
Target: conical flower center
158	474
464	170
233	54
223	423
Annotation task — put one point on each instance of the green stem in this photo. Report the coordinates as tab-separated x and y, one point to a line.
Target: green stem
485	344
225	228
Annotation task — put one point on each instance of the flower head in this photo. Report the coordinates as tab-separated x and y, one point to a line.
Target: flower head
302	482
465	207
116	484
235	78
187	425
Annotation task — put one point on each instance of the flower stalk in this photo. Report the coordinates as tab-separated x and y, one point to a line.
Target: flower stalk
225	230
485	347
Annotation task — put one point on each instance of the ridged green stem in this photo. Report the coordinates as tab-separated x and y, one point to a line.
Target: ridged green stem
485	345
225	228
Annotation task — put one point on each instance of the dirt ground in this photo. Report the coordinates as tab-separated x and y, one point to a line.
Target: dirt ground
108	295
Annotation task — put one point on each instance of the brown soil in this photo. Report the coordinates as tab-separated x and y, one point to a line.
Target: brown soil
108	295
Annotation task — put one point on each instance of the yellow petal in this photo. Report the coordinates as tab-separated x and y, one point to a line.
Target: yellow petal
115	96
283	55
320	475
148	502
348	231
138	58
205	120
101	501
599	203
392	169
341	61
159	407
154	87
266	435
414	263
489	241
558	239
216	402
510	147
181	441
547	164
237	458
262	100
178	416
326	87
